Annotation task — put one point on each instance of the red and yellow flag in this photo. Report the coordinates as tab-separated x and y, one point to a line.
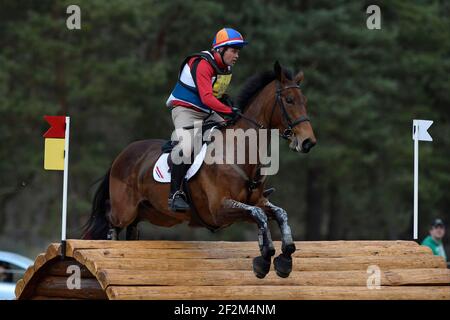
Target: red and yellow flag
54	143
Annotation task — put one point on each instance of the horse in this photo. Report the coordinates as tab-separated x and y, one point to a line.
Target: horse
221	194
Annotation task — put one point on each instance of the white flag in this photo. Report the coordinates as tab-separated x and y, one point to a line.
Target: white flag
420	128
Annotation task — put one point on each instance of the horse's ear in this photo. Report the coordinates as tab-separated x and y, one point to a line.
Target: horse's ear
299	77
278	70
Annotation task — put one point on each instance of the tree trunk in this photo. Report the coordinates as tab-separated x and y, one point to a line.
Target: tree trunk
335	214
313	205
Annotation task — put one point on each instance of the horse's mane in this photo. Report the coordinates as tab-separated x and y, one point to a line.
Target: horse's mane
254	84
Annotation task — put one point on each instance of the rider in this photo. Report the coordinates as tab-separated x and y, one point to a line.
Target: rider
199	94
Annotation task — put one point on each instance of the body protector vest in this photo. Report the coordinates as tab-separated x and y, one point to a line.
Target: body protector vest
186	87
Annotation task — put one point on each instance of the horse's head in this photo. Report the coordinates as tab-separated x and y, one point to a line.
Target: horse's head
289	114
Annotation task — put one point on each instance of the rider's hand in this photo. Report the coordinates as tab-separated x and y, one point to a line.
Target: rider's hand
231	117
235	111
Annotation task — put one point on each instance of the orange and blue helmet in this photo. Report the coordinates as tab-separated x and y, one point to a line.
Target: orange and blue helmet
228	37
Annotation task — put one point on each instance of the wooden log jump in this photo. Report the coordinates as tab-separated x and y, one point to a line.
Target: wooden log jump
223	270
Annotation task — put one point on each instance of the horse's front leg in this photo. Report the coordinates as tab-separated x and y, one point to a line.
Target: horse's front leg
282	263
261	264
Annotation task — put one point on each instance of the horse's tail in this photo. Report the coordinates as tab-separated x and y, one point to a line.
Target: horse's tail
97	226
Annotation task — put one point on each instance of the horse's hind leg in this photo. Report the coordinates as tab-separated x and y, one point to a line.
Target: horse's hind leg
113	232
133	231
123	208
261	264
283	263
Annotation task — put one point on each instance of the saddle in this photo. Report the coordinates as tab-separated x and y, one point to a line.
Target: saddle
162	168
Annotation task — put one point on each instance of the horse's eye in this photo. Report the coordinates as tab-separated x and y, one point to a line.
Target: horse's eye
289	100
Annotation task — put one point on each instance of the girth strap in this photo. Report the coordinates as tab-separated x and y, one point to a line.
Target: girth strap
252	184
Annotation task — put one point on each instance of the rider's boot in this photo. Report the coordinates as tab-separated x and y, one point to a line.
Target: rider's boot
177	198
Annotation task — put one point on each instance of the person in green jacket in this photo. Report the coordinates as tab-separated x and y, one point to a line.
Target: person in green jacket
434	239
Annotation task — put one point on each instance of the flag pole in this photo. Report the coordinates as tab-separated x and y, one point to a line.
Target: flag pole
419	133
65	182
416	180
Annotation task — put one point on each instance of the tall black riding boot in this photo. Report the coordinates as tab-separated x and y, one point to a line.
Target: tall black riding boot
177	198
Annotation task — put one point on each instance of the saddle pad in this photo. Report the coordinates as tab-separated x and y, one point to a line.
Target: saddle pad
161	169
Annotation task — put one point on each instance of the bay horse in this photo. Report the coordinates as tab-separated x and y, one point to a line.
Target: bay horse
220	194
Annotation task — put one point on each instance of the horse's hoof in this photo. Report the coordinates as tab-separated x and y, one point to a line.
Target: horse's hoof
288	249
111	235
261	267
283	266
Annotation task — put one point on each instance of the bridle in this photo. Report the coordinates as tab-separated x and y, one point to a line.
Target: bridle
287	133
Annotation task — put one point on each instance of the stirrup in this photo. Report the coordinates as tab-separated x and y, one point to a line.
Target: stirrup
179	193
178	202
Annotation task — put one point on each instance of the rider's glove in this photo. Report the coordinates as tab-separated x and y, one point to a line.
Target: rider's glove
226	99
235	111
